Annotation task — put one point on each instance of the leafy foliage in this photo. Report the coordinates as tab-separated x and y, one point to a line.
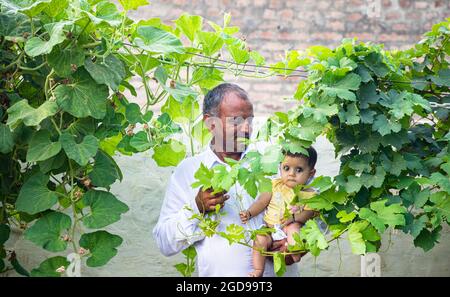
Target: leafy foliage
66	69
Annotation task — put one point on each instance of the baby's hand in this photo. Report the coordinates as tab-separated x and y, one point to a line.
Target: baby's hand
245	216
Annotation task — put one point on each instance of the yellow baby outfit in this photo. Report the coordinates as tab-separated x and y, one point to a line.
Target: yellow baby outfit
282	196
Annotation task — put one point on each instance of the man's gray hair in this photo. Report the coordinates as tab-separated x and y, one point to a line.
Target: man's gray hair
214	97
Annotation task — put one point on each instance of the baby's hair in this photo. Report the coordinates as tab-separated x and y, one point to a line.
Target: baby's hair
312	156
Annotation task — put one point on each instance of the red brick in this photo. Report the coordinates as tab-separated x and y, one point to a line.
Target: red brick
358	3
404	3
393	16
421	5
400	27
286	14
354	17
269	14
260	3
336	26
275	4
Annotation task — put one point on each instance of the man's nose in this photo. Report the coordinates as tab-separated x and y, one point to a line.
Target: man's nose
245	127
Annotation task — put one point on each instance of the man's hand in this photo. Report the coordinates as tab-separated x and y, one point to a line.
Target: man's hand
245	216
281	246
207	202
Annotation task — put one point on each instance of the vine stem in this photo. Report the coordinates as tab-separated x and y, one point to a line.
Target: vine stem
74	245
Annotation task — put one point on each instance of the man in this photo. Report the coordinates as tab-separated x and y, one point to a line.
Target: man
227	112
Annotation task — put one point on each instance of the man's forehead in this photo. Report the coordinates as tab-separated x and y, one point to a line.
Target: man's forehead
234	106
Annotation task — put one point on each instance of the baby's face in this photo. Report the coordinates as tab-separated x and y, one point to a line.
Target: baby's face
295	171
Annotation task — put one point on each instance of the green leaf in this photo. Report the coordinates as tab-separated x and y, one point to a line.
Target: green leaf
30	7
189	25
34	196
353	184
133	113
140	141
441	202
82	97
79	152
211	42
22	112
415	195
14	25
63	61
41	147
367	95
345	217
361	163
46	232
292	60
382	215
320	52
351	115
106	13
341	87
156	40
201	133
6	139
325	199
109	71
4	233
102	246
441	180
49	267
18	268
203	177
271	159
279	264
170	153
321	183
257	58
105	209
374	61
181	92
414	226
367	116
427	240
132	4
105	171
314	237
239	54
184	112
355	238
235	233
385	126
35	46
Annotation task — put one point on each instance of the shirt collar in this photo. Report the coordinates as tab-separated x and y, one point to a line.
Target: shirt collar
211	158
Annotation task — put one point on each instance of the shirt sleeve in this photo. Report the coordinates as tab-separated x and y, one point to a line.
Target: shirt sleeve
175	230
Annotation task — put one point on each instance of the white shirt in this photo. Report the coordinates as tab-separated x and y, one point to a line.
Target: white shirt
174	230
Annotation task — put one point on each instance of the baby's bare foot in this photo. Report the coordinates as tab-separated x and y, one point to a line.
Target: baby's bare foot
256	273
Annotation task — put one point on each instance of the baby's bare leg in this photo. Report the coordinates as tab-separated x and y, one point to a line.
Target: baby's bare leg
261	242
290	230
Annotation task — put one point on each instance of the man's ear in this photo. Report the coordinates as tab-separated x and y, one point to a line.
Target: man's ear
209	122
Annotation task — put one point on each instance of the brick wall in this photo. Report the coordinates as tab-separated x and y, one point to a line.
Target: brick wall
273	26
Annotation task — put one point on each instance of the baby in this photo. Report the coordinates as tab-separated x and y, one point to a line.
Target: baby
296	169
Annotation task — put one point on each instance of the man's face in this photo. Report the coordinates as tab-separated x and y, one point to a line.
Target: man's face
233	124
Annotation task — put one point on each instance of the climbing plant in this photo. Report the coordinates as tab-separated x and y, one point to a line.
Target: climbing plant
70	69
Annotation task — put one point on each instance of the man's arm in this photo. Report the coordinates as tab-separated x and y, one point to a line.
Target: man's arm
175	230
